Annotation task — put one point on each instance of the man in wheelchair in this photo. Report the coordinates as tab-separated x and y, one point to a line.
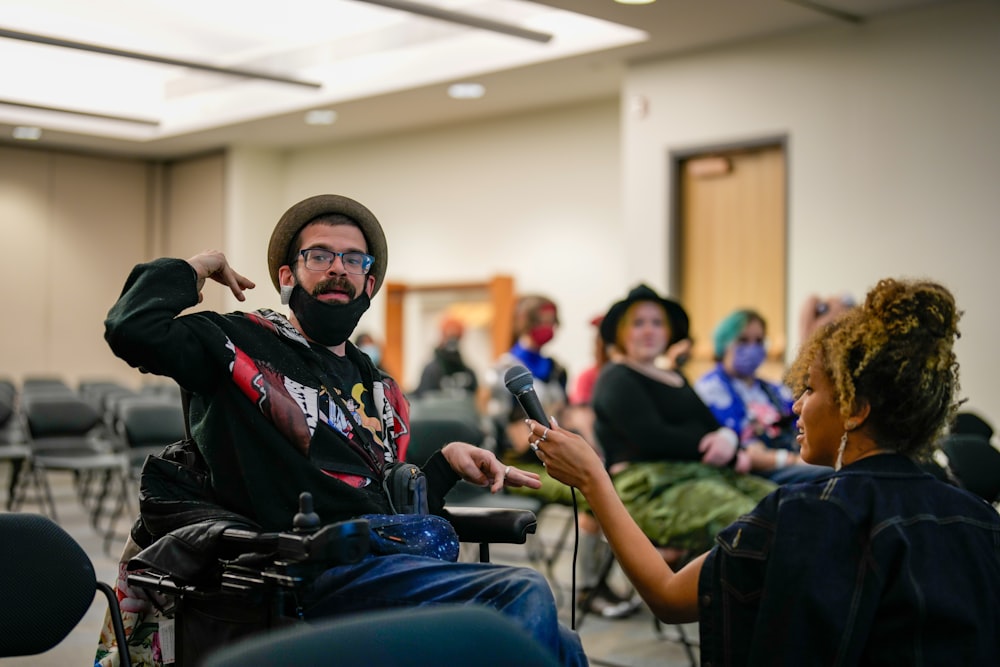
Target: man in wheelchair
280	406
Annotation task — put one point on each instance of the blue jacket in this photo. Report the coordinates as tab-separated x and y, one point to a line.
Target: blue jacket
879	564
717	391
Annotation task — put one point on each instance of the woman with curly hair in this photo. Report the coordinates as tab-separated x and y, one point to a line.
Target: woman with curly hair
878	564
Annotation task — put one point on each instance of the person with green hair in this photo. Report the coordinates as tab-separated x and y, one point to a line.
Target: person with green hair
758	410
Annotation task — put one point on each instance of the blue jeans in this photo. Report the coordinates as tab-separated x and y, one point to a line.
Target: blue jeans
401	580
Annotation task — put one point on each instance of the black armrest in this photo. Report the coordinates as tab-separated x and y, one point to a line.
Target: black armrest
491	524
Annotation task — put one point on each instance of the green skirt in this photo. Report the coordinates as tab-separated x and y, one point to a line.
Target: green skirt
685	504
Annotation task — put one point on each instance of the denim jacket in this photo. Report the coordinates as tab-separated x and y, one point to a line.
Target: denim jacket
878	564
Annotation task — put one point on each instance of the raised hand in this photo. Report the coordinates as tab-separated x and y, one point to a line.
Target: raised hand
213	264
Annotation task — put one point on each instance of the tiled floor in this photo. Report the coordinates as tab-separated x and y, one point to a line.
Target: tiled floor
633	642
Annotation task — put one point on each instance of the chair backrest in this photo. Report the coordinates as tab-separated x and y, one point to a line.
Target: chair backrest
48	584
149	421
93	391
421	637
58	415
975	462
45	385
432	405
429	434
972	424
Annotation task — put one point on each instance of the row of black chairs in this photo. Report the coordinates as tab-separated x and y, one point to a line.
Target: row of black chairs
100	432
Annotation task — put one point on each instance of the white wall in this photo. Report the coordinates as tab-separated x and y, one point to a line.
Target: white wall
254	202
71	227
536	197
893	157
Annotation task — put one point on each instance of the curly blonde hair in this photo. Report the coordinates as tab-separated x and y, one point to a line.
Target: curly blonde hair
894	354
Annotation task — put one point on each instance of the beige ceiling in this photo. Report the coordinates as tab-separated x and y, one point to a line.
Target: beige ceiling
398	81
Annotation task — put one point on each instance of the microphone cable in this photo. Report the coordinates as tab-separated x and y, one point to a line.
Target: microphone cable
576	549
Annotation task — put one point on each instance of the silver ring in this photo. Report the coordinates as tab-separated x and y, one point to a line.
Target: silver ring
506	472
545	433
533	444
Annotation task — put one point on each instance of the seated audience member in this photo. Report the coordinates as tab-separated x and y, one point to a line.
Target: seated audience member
758	410
282	405
678	471
536	320
879	564
447	373
816	312
366	342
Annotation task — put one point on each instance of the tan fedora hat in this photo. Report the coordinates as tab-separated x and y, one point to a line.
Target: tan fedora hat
307	210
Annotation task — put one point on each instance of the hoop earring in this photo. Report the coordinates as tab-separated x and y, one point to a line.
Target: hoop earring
840	452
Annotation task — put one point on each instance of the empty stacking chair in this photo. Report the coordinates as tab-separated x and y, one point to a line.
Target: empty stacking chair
12	447
65	433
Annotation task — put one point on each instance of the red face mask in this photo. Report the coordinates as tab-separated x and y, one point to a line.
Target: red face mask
542	334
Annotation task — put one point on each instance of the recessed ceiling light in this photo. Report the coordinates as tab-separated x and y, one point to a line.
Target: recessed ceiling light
25	133
466	91
321	117
635	2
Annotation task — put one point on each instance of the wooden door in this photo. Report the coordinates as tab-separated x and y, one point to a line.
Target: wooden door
412	316
732	246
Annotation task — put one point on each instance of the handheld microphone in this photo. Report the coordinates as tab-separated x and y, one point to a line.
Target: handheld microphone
520	383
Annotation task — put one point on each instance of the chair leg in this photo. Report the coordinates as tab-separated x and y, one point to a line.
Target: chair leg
19	473
681	639
588	598
541	557
81	484
556	550
16	466
122	505
44	491
97	506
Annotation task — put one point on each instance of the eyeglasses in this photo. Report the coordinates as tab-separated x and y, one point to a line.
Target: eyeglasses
320	259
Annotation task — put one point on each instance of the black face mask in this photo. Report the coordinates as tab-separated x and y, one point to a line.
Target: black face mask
327	323
450	359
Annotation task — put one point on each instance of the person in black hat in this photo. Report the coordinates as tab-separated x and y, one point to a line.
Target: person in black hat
285	405
678	471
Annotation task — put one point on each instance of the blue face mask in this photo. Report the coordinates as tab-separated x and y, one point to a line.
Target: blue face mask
747	358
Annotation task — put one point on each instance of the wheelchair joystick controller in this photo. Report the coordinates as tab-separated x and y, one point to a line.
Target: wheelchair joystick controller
306	520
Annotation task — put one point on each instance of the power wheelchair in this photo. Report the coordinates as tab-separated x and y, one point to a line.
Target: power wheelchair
257	584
